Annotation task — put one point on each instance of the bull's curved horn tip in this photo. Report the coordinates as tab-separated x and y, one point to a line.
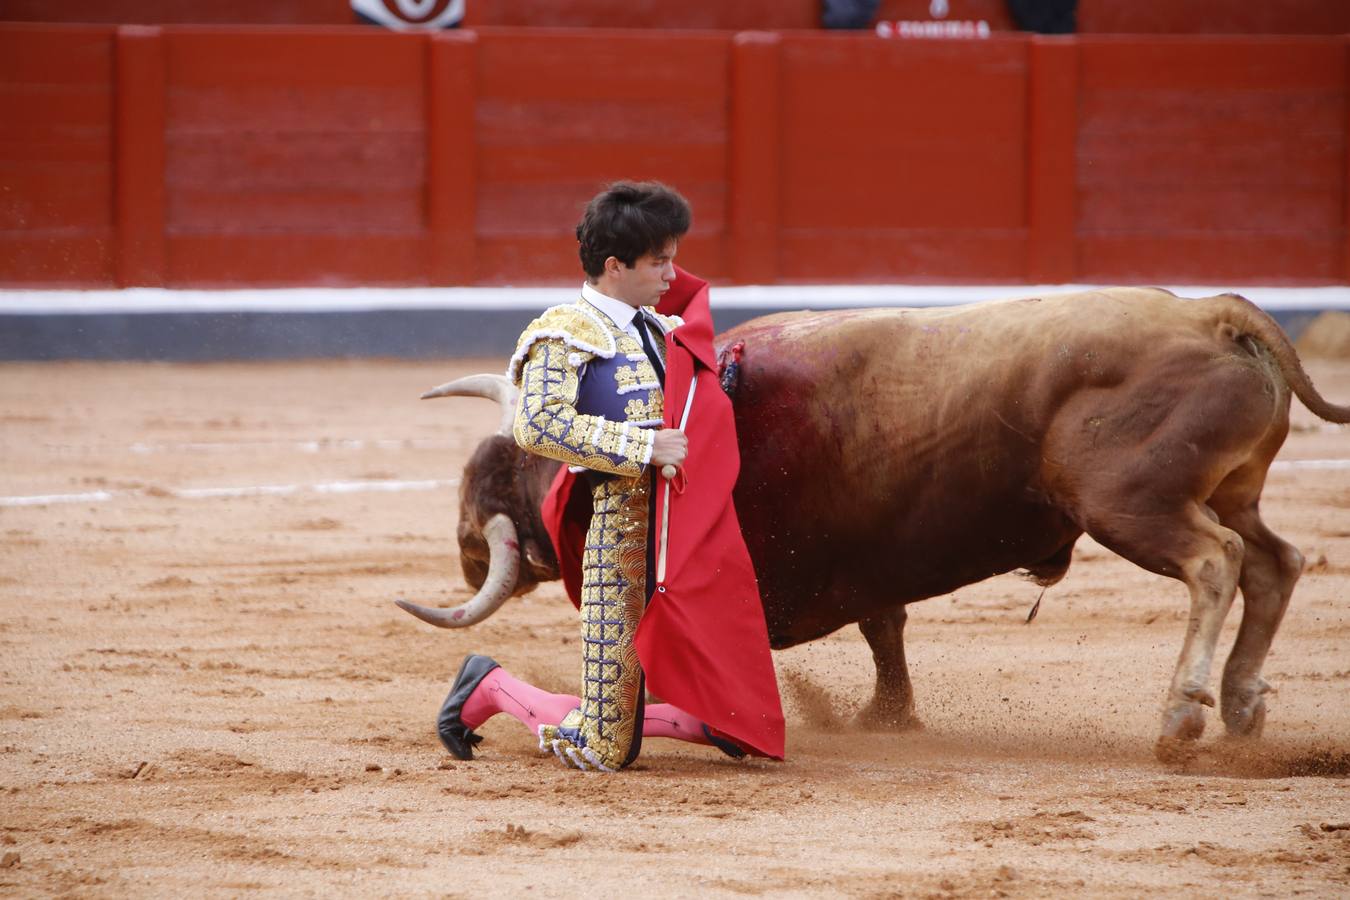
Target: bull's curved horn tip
407	605
503	568
441	618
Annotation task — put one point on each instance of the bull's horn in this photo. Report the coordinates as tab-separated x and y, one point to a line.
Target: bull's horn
491	387
503	567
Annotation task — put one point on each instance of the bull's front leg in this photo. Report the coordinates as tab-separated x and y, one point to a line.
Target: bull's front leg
892	704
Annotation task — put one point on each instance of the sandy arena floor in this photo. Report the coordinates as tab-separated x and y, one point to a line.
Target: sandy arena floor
211	693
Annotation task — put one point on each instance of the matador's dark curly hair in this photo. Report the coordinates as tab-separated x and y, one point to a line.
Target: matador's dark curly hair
628	219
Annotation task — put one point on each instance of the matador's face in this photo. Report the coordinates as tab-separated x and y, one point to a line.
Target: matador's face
649	277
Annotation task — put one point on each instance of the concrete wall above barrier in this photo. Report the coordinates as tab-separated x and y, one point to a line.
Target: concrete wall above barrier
231	157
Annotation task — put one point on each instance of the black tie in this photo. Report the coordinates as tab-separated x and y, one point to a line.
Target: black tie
649	348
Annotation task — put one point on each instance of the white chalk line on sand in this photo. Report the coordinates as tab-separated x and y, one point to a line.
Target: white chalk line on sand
1294	465
361	487
329	445
321	445
211	493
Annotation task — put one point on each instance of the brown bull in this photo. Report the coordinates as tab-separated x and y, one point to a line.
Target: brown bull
893	455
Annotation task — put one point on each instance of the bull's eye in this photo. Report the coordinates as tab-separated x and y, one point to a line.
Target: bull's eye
404	15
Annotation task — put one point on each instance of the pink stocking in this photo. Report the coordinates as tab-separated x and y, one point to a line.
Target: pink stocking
502	692
664	720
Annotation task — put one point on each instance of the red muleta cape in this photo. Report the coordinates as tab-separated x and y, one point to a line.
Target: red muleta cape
702	641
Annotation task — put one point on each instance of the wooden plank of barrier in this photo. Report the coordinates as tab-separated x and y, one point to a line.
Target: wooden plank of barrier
1195	170
903	159
754	136
140	156
632	105
1053	113
452	163
296	156
56	156
1345	169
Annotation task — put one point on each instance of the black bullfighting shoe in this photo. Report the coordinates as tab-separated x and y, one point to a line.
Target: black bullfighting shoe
456	737
721	743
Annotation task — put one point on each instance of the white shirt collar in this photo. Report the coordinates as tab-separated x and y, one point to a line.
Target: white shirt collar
621	313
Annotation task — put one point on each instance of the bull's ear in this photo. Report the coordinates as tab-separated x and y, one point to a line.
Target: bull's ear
489	387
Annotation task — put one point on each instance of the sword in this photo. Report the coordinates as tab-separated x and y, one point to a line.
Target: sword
668	472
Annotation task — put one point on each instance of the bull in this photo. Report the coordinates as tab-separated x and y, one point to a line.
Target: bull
892	455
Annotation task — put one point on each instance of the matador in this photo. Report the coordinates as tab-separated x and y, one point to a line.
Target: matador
591	378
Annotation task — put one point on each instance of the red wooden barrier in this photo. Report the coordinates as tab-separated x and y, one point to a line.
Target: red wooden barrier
452	158
358	156
1052	203
559	114
296	157
1214	160
756	174
56	156
904	159
141	200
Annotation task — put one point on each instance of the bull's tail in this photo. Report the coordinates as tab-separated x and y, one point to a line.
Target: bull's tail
1249	319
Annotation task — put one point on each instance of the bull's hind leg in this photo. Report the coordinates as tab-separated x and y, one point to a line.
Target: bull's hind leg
1270	569
1210	569
892	704
1211	572
1192	546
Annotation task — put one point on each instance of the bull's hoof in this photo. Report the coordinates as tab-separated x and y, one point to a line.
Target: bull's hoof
1244	712
885	717
1201	695
1183	723
1172	752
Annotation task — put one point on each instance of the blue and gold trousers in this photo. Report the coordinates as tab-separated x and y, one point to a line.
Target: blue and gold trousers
614	587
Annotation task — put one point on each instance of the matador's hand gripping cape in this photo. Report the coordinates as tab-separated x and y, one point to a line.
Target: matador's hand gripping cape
702	641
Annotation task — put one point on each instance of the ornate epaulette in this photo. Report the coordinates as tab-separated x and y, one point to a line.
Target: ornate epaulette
668	323
575	324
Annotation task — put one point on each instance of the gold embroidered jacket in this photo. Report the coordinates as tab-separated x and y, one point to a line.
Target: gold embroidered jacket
552	357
